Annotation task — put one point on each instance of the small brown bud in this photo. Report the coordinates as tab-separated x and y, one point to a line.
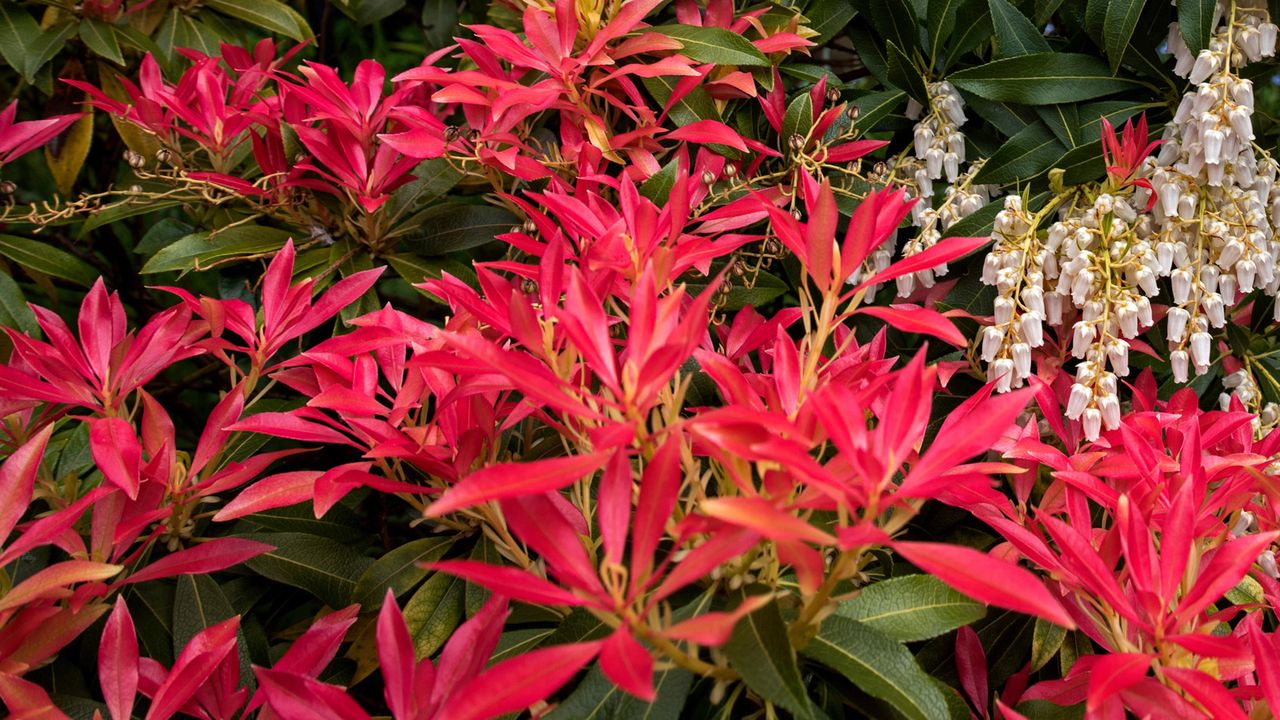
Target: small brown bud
796	213
135	160
135	189
530	227
164	155
795	142
853	112
8	187
737	270
451	133
880	168
731	171
708	177
771	246
299	158
833	95
528	286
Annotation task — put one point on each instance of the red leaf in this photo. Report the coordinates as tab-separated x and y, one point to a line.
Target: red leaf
659	490
17	480
1207	691
194	665
625	662
118	662
709	132
55	580
970	429
517	683
971	665
943	252
291	427
505	480
1229	563
297	697
396	656
511	582
1113	673
207	557
26	700
1266	656
714	628
116	452
270	492
986	579
758	514
614	505
919	320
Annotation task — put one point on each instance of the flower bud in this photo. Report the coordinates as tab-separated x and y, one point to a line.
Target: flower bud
992	341
1118	354
1078	400
1180	280
1177	324
1109	406
1021	353
1178	363
1200	346
1091	423
1002	373
1032	329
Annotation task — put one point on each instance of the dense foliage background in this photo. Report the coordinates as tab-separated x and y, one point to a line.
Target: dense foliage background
604	358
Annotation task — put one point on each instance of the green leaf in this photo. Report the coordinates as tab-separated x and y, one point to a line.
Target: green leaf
1015	34
874	107
271	15
1195	20
1048	710
911	608
101	39
416	269
151	605
17	29
879	666
1042	79
1121	21
765	288
44	258
369	12
200	251
1022	157
398	570
973	28
597	698
434	612
895	20
1063	120
828	18
904	74
451	227
14	311
198	603
1246	592
1046	640
869	50
431	179
658	187
761	652
692	106
798	119
323	567
713	45
940	19
46	44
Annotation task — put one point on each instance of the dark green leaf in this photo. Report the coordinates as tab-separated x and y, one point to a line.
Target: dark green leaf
271	15
323	567
765	288
199	603
828	18
798	119
904	74
879	666
448	228
1047	710
398	570
14	311
597	698
1015	34
434	612
200	251
713	45
1046	640
1121	21
1025	155
875	107
101	39
416	269
870	50
44	258
1042	79
658	187
762	654
1063	120
693	106
431	179
17	30
895	20
1195	20
911	608
973	28
940	20
371	11
45	46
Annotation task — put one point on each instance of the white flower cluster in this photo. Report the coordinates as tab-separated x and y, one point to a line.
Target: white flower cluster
1216	209
958	202
1091	270
939	144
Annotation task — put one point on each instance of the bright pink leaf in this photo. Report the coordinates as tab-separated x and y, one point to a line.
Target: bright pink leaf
118	662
